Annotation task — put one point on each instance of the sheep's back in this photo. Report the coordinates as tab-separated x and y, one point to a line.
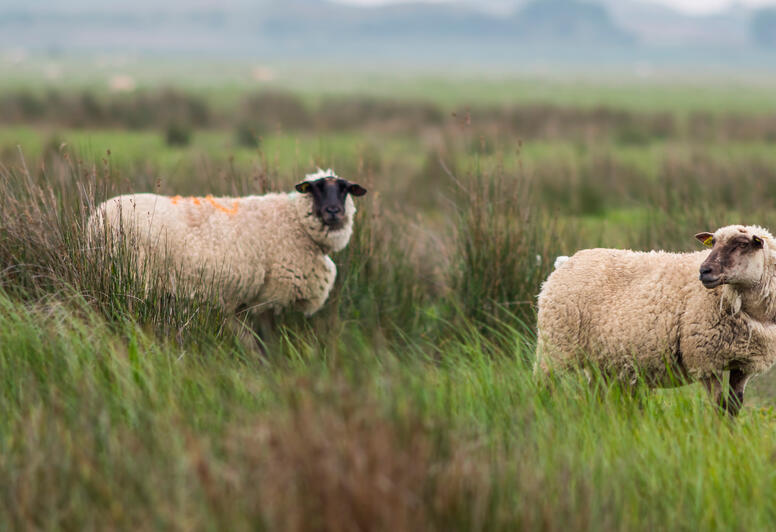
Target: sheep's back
223	239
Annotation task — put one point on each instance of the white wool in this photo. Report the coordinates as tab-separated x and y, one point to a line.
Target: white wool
321	174
560	261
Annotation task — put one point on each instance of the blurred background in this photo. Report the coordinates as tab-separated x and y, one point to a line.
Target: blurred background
629	123
493	136
634	121
634	37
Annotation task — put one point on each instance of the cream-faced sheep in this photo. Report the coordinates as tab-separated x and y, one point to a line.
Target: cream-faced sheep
635	314
268	252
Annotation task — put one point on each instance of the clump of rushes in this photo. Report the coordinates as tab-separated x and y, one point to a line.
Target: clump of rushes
505	247
45	251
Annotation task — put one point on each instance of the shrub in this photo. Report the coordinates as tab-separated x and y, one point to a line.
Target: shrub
349	113
177	134
247	135
274	109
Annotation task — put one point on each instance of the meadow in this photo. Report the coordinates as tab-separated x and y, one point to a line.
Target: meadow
408	401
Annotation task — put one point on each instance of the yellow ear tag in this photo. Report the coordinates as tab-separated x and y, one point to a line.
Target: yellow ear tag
708	241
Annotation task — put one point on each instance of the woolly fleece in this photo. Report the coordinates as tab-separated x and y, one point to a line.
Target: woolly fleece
630	312
269	252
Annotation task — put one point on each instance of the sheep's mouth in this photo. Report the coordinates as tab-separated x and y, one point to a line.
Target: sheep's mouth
333	222
710	283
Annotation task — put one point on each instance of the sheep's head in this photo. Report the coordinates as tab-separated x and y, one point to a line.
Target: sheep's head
329	193
738	256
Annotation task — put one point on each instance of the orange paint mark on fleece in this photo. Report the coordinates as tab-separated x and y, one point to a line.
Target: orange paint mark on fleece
214	203
209	198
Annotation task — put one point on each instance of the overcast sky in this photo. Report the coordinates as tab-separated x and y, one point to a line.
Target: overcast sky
691	6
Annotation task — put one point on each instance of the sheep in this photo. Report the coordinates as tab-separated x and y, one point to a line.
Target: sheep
269	252
646	314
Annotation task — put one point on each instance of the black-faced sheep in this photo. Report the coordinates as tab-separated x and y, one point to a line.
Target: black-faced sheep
268	252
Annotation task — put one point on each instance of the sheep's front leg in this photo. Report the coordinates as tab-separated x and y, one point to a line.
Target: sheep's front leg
253	330
266	325
735	398
713	385
241	326
317	292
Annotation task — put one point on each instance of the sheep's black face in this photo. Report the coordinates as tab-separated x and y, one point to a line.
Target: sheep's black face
329	195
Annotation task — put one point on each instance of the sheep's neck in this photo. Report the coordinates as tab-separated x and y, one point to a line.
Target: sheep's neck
319	237
311	224
758	308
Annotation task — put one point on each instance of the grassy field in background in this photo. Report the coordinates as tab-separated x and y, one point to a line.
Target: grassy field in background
225	82
407	402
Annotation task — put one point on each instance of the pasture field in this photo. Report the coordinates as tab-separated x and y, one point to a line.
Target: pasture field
225	82
407	402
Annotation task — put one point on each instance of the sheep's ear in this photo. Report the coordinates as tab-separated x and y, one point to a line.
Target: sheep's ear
757	241
303	187
705	238
356	189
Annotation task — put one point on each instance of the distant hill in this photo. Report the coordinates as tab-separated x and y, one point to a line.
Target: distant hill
309	28
569	21
552	21
524	33
306	19
656	24
659	25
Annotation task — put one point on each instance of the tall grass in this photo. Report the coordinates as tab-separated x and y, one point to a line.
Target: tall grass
477	247
408	401
505	247
45	252
107	428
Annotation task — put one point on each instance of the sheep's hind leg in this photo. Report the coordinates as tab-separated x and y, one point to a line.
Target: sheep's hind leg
713	384
735	399
242	327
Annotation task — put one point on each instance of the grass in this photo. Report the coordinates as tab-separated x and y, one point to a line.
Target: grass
408	402
225	83
106	427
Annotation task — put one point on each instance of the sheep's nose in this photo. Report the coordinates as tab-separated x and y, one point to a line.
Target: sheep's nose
333	209
705	270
